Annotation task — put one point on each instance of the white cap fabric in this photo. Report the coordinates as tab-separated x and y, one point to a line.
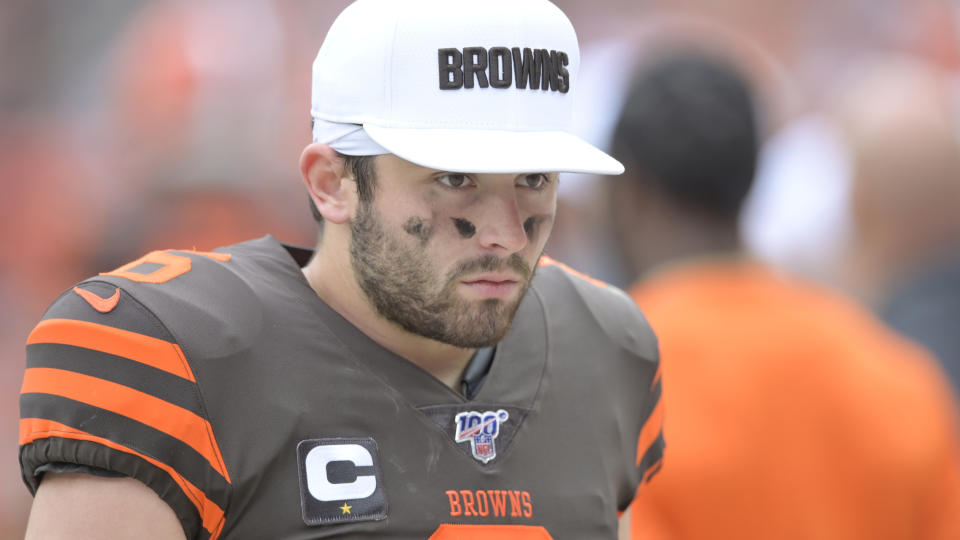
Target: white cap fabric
484	86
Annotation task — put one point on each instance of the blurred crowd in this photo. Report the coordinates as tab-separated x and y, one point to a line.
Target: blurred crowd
131	126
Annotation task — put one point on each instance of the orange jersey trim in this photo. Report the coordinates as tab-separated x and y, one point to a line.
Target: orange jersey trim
547	261
147	350
144	408
212	516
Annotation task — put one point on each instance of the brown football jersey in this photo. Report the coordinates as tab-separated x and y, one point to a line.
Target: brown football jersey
256	411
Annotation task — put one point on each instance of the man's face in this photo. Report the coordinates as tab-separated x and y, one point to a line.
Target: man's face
448	255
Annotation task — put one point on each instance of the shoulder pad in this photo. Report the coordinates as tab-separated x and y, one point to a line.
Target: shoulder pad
613	310
111	380
207	307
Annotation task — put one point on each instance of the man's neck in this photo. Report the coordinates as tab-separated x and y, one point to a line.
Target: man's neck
684	239
331	275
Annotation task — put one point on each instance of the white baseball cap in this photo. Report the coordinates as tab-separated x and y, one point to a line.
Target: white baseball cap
483	86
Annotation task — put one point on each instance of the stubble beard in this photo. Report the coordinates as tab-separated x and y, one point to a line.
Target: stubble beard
401	284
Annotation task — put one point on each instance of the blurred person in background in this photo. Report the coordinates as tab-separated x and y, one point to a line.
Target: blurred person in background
797	215
900	120
185	85
791	412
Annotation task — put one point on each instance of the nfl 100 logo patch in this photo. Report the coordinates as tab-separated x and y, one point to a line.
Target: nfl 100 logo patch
481	429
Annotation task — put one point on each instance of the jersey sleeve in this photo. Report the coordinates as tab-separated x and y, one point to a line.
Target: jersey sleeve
638	337
623	325
107	386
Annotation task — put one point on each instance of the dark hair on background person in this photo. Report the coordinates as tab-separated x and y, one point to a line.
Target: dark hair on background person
689	127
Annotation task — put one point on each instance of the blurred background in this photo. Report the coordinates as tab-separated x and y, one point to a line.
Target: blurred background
134	125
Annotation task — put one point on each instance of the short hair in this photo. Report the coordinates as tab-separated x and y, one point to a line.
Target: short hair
363	172
688	125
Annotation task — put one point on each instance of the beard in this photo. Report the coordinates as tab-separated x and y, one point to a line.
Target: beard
405	288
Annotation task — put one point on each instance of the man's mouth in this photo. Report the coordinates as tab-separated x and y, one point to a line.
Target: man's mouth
492	285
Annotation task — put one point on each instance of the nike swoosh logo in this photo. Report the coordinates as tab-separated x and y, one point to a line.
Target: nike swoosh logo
103	305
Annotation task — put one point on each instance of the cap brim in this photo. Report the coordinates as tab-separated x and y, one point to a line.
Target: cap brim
494	151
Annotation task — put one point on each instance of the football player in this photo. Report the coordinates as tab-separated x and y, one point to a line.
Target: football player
424	372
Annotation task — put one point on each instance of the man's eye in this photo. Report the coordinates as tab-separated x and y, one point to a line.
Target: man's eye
535	181
454	180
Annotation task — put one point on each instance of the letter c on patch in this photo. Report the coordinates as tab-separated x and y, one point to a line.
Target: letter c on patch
320	486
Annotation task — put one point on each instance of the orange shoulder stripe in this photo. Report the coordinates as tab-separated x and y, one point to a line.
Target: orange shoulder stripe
212	516
651	430
144	408
547	261
144	349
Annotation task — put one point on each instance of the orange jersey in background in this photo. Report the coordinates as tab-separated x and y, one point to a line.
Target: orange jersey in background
792	414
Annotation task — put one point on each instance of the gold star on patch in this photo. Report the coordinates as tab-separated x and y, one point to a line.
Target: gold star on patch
346	508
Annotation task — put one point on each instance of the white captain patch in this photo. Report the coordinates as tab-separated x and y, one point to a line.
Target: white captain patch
340	481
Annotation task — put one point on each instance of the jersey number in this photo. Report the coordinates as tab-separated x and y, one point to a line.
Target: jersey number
450	531
170	266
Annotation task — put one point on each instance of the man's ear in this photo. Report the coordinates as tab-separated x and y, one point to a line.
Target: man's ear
323	173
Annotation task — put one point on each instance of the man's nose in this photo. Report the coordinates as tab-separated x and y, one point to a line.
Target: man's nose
500	227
